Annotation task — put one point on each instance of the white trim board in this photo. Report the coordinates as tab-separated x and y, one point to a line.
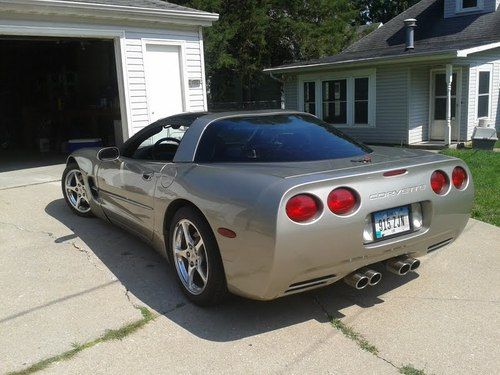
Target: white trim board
84	9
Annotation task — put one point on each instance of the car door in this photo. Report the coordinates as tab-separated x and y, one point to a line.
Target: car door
127	185
127	189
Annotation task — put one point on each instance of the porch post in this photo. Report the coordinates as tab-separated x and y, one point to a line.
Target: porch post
449	80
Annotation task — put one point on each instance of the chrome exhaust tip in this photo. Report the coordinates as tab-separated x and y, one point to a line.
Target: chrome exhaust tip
374	277
357	280
398	266
414	263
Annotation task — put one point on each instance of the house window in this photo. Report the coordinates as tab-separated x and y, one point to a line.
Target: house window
310	97
361	100
334	95
341	99
469	5
483	94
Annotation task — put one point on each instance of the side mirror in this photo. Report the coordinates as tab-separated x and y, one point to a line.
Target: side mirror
108	154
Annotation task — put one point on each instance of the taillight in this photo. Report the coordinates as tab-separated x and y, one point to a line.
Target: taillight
342	201
459	177
439	182
302	208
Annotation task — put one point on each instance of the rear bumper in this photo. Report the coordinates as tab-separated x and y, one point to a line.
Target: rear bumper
306	256
302	269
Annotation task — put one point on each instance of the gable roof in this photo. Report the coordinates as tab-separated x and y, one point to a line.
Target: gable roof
434	34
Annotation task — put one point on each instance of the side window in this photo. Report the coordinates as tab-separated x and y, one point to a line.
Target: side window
335	101
483	94
310	97
160	146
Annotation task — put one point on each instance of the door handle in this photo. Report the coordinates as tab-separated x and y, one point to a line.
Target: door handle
147	175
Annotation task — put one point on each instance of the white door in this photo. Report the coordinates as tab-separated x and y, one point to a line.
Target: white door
163	80
438	106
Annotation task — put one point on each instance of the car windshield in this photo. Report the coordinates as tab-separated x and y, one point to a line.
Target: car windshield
275	138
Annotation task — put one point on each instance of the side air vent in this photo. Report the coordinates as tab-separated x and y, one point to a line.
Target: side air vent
309	283
439	245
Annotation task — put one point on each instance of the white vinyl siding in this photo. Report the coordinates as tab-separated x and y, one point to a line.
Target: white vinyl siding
419	105
290	91
491	58
136	75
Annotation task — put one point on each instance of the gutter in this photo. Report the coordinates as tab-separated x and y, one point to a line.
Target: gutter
413	57
83	8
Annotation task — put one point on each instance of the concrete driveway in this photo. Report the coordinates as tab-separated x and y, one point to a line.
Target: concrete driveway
72	289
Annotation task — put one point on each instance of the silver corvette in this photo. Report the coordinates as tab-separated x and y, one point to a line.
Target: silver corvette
266	204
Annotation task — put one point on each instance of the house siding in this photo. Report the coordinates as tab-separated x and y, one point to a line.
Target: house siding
464	109
450	7
419	104
391	115
290	91
488	57
136	74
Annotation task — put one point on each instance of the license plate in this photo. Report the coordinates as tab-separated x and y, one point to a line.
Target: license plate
391	222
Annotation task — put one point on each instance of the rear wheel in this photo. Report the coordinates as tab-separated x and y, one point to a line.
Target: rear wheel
74	191
195	257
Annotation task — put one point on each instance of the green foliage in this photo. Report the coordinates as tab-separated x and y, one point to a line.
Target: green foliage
381	10
355	336
485	169
253	34
410	370
113	334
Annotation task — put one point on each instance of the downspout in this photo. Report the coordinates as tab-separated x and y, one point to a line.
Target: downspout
281	89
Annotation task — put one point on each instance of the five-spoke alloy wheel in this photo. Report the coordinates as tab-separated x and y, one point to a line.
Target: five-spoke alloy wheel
195	257
190	257
74	190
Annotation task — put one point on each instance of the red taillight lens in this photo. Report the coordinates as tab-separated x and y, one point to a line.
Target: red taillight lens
459	177
439	182
301	208
342	201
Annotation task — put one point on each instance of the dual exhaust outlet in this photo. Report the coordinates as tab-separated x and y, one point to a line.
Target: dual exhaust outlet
367	277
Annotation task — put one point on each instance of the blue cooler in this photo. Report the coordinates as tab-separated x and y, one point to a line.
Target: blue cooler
76	144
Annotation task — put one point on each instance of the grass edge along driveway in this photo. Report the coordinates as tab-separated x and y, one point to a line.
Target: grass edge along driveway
485	169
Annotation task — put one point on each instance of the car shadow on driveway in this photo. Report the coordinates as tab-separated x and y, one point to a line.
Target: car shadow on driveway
148	276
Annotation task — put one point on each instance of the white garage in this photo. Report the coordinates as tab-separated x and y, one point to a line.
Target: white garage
95	70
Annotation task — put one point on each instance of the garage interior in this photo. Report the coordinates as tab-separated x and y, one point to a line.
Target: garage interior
56	94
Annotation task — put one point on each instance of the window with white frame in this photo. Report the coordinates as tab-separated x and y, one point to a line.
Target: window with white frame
340	99
310	97
469	5
484	92
334	94
361	100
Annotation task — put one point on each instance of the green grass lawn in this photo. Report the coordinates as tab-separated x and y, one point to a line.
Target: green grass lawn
485	168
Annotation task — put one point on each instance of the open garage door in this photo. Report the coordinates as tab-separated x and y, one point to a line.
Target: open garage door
56	94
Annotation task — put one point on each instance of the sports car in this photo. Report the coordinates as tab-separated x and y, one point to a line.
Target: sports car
269	203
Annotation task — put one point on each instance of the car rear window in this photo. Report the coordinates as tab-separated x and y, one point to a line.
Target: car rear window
275	138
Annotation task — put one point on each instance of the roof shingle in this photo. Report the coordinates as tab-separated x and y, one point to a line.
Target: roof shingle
152	4
434	33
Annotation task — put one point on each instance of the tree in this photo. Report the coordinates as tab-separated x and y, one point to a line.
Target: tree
371	11
253	34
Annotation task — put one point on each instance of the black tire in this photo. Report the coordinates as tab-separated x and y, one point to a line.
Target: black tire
215	290
69	168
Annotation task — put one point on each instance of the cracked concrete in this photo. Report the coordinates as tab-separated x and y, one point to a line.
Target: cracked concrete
66	279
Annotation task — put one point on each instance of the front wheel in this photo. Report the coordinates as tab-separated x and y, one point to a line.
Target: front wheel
195	257
74	191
